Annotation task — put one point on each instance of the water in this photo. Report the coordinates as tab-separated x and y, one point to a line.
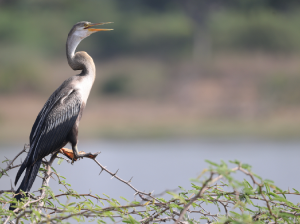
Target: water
161	165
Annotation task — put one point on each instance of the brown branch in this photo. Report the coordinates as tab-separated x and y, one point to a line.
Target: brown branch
46	178
151	218
199	194
9	166
86	195
45	183
126	182
86	212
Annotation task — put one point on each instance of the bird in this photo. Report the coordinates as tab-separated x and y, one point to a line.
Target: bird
57	122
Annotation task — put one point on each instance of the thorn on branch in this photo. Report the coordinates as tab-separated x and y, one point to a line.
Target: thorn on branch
7	162
51	176
101	170
130	180
114	174
11	186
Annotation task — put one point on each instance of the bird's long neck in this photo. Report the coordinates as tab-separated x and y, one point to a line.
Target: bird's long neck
79	60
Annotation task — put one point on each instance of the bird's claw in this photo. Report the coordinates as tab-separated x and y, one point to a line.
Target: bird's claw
69	153
93	156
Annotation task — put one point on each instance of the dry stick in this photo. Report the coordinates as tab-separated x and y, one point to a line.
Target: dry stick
147	220
86	195
268	205
111	208
46	178
208	213
9	166
46	182
126	182
60	157
59	181
260	188
48	175
199	194
7	219
203	189
3	191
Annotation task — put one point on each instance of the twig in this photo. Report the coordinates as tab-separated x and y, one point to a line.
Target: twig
126	182
199	194
9	166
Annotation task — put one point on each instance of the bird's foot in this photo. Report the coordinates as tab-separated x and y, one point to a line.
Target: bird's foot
93	155
70	154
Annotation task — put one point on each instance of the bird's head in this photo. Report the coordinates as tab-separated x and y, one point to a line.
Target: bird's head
84	29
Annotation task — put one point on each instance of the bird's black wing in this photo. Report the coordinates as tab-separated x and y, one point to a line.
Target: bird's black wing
56	126
57	95
52	126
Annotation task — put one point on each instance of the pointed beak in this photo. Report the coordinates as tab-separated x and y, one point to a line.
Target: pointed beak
96	24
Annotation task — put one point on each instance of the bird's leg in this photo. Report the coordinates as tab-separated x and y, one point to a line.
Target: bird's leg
75	151
82	154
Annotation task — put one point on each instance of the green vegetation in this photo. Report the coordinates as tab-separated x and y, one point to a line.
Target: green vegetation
218	195
262	30
281	89
34	30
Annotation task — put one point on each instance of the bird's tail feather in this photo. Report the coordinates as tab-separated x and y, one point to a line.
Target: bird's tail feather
20	171
30	175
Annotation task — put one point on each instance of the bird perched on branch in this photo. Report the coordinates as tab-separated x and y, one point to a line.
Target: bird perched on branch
58	121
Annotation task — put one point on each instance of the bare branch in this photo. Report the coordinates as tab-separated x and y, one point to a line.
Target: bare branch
10	163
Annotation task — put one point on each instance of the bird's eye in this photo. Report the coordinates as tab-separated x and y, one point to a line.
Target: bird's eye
86	25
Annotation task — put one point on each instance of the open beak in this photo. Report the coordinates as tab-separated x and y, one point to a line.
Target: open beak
96	24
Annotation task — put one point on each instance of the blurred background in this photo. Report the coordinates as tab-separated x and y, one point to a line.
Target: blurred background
170	69
178	82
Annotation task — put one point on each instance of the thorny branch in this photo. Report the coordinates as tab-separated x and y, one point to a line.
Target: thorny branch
199	194
151	208
10	162
140	193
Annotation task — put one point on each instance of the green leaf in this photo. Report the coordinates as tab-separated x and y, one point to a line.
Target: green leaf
212	163
248	200
267	187
130	220
182	188
124	198
269	181
106	195
235	162
53	169
257	176
249	185
135	203
246	167
37	214
90	201
60	161
49	202
73	203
